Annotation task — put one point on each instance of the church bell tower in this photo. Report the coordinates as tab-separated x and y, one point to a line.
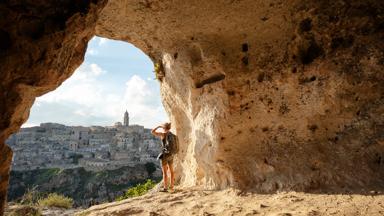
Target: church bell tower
126	118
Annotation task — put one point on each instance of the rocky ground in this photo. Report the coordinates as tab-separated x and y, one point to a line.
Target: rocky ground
59	211
233	202
13	209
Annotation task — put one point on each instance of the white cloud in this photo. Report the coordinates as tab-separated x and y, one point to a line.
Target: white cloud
138	98
92	52
87	72
29	125
102	41
96	70
80	113
137	89
80	88
89	98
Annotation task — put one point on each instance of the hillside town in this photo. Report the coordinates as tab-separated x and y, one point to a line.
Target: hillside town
95	148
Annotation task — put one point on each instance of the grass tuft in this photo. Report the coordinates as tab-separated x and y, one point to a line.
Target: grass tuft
56	200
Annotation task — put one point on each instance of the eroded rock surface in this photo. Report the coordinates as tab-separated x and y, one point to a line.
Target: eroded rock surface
228	203
265	95
41	44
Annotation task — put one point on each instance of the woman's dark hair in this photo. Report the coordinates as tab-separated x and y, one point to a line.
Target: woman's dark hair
167	125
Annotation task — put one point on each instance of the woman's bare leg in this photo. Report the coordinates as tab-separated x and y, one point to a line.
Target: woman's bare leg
170	166
164	167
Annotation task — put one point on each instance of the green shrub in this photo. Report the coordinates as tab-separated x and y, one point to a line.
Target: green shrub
56	200
138	190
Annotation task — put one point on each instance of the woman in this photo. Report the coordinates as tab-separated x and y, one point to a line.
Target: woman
166	158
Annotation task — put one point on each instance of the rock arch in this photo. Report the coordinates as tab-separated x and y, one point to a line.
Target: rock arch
265	96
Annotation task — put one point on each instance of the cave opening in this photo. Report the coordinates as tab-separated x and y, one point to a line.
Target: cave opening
93	130
263	97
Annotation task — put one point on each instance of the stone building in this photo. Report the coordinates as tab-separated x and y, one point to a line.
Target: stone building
57	145
80	135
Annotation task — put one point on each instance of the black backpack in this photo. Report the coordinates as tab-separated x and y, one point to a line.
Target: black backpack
171	145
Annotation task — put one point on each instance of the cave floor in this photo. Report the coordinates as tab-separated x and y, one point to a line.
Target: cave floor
231	202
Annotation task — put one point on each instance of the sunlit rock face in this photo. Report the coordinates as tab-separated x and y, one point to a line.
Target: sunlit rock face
267	95
264	95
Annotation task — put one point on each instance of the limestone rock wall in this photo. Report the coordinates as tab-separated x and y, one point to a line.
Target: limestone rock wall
41	44
267	95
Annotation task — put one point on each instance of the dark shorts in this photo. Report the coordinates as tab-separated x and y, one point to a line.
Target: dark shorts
166	158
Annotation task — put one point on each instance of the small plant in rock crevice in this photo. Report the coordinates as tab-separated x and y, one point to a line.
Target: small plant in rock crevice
159	71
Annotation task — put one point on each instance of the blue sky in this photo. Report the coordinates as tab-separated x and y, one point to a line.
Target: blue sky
115	76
